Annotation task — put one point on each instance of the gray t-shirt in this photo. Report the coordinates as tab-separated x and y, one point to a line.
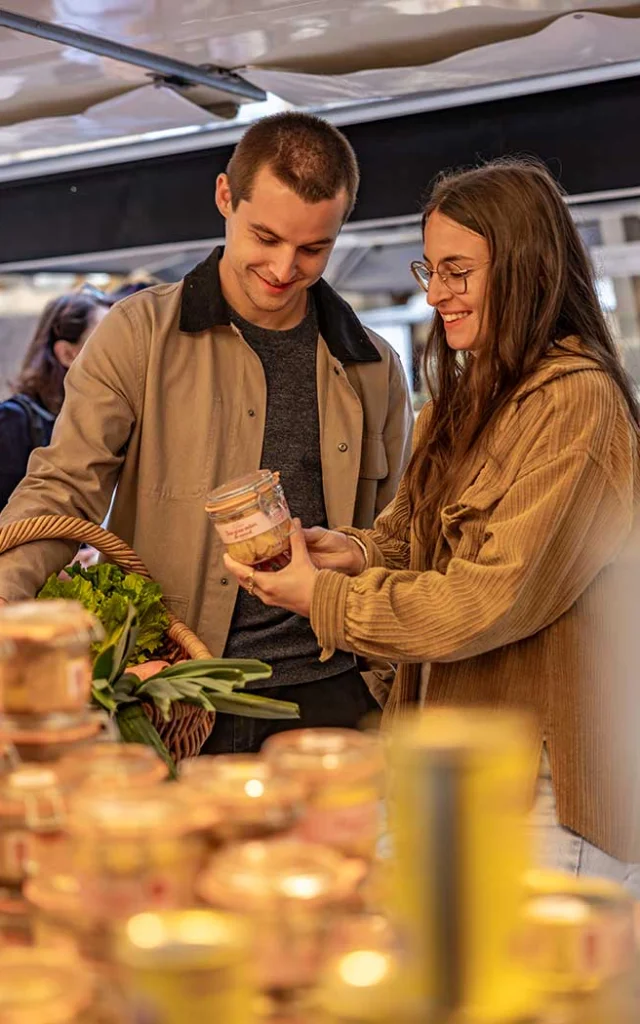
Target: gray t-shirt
292	446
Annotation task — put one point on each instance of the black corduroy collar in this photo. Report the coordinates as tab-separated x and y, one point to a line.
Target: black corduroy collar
204	307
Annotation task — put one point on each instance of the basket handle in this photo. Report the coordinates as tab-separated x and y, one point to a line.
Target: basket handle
53	527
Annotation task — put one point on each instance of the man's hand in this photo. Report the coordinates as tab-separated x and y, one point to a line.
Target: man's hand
330	549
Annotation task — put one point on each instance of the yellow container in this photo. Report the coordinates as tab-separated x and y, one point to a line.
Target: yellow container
44	656
461	789
187	967
343	774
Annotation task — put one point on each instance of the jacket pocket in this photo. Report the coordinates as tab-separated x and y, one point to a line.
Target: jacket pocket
464	522
373	464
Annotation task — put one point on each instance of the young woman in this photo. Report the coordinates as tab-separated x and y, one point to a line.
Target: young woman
27	418
491	576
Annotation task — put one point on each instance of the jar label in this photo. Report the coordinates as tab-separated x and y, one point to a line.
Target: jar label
238	530
78	681
353	829
14	855
120	897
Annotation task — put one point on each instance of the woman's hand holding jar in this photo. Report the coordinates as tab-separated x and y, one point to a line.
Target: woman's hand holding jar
330	549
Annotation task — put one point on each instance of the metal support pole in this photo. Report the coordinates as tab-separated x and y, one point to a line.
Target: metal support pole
167	67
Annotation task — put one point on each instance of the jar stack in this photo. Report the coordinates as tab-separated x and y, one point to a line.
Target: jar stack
253	861
252	889
45	679
292	848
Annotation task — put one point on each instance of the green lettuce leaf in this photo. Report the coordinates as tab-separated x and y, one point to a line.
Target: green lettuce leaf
107	591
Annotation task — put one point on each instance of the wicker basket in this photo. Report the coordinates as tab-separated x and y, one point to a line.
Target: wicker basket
189	726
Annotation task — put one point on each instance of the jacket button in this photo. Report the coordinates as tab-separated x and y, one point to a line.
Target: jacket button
224	581
252	412
342	447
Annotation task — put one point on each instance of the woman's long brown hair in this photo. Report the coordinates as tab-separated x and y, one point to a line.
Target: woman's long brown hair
540	290
66	318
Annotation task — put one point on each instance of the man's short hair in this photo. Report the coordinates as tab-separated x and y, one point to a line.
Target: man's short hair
305	153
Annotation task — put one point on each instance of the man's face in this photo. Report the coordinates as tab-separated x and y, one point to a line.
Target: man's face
277	246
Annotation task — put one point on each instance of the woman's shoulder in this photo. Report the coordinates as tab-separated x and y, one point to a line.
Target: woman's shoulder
574	382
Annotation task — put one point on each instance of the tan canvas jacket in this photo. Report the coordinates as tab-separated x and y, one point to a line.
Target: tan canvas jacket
523	605
167	400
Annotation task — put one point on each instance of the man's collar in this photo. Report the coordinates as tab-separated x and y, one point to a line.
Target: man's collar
204	307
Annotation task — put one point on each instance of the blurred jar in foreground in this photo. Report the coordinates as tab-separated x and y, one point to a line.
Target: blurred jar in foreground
45	666
61	920
362	982
47	738
343	774
460	795
31	819
98	768
135	850
16	924
250	800
580	944
292	893
44	987
186	967
111	763
253	520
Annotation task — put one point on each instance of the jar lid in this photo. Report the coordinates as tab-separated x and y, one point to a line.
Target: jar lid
566	944
263	875
141	812
56	894
32	794
601	892
248	778
456	732
316	754
51	623
241	493
42	986
177	939
111	763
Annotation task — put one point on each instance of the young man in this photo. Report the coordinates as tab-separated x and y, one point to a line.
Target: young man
252	361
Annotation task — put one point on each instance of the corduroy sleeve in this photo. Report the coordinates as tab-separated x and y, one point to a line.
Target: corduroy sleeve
543	543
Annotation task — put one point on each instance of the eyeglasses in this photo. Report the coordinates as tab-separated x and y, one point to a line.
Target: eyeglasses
452	276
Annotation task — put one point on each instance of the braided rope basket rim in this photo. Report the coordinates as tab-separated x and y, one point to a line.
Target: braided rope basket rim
189	725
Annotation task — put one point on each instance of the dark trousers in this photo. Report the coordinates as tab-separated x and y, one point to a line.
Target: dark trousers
340	701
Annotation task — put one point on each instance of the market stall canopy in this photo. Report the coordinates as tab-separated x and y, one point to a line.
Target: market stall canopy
312	53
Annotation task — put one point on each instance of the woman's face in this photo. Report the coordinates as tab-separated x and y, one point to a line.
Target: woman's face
461	257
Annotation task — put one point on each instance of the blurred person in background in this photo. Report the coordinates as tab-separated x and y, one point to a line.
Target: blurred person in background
27	418
493	574
137	282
